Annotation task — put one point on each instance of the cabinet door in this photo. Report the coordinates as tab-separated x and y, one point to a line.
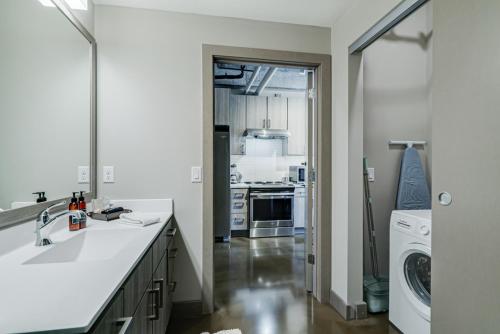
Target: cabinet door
299	208
137	283
237	123
297	125
222	106
145	314
256	112
160	281
277	113
112	320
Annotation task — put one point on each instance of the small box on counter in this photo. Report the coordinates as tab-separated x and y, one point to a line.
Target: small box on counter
109	214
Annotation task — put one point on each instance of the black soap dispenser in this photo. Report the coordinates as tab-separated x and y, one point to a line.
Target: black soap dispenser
41	196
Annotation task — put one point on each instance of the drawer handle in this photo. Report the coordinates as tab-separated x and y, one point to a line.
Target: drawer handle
160	281
171	232
239	196
238	221
174	251
172	286
125	324
156	305
238	205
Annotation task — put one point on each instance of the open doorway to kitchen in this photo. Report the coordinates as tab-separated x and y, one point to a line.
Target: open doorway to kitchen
266	177
261	155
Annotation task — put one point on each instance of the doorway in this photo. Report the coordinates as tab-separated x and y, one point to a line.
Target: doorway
318	168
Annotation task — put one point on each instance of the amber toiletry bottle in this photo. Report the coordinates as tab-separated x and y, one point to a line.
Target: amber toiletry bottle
82	206
74	222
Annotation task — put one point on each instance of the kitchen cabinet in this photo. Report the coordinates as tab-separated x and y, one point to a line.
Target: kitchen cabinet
256	112
237	123
299	207
144	302
297	125
221	97
239	211
277	113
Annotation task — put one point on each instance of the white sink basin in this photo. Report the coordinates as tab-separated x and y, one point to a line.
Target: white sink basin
97	245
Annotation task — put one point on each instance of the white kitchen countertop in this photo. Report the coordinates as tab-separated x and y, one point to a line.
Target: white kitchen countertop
246	185
69	297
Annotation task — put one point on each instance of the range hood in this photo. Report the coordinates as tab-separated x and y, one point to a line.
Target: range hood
266	134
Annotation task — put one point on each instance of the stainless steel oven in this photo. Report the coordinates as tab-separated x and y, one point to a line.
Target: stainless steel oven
271	212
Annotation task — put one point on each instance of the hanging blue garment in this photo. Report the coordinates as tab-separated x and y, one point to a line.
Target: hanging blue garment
413	190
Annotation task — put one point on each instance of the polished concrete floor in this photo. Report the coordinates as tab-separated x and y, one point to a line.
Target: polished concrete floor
259	288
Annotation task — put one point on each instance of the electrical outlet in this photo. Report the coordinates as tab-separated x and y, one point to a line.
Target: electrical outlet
196	175
83	174
108	174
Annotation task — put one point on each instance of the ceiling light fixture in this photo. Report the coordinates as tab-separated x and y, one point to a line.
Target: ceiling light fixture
73	4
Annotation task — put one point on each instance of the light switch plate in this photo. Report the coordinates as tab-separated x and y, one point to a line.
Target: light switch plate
196	175
108	174
371	174
83	174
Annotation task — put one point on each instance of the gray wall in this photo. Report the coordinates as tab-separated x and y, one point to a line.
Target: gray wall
150	106
396	106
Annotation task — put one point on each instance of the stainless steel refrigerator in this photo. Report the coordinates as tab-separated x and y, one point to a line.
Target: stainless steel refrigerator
222	184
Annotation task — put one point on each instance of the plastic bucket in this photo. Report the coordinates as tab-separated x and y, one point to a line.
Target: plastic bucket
376	294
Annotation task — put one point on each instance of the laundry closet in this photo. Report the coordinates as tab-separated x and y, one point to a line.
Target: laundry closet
397	73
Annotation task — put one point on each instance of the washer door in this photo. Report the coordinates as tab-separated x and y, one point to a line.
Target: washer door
415	277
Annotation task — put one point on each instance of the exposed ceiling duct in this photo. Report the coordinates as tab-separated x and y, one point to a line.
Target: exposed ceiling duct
252	79
265	81
232	76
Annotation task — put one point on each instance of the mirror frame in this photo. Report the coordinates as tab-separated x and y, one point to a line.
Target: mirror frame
16	216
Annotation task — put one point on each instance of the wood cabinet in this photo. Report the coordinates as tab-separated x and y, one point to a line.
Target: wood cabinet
297	125
144	302
221	102
277	113
237	122
256	112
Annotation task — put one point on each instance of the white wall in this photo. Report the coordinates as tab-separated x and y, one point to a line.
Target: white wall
86	17
347	240
150	106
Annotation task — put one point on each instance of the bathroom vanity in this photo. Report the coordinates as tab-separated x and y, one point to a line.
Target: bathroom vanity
107	278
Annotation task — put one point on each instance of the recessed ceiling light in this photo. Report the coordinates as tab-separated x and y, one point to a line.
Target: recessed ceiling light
73	4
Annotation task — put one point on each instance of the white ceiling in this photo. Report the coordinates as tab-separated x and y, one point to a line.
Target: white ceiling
309	12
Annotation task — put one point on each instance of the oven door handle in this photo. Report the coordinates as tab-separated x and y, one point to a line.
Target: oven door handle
273	195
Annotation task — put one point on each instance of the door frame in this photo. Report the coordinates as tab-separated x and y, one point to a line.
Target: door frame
322	63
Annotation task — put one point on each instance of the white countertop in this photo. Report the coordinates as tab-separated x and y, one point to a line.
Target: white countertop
69	297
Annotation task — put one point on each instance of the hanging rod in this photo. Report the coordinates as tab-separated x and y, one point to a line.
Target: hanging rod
408	143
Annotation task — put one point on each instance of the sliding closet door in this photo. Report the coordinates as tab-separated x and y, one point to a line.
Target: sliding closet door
466	164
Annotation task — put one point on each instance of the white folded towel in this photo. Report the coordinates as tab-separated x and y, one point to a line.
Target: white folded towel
139	218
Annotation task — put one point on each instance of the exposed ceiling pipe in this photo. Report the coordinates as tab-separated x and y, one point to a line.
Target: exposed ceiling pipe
252	79
265	80
232	76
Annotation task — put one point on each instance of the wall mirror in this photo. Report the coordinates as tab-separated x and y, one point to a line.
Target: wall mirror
47	106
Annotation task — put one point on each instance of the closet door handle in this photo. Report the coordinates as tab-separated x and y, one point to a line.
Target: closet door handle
161	281
172	286
263	123
268	123
126	324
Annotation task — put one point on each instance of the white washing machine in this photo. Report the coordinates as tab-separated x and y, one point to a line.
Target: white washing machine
410	271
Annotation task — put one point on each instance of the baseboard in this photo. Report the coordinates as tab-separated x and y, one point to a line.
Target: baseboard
187	309
348	312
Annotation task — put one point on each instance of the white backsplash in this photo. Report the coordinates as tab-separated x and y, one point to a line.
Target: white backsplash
264	160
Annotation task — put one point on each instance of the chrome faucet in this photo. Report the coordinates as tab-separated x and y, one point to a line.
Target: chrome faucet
45	222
